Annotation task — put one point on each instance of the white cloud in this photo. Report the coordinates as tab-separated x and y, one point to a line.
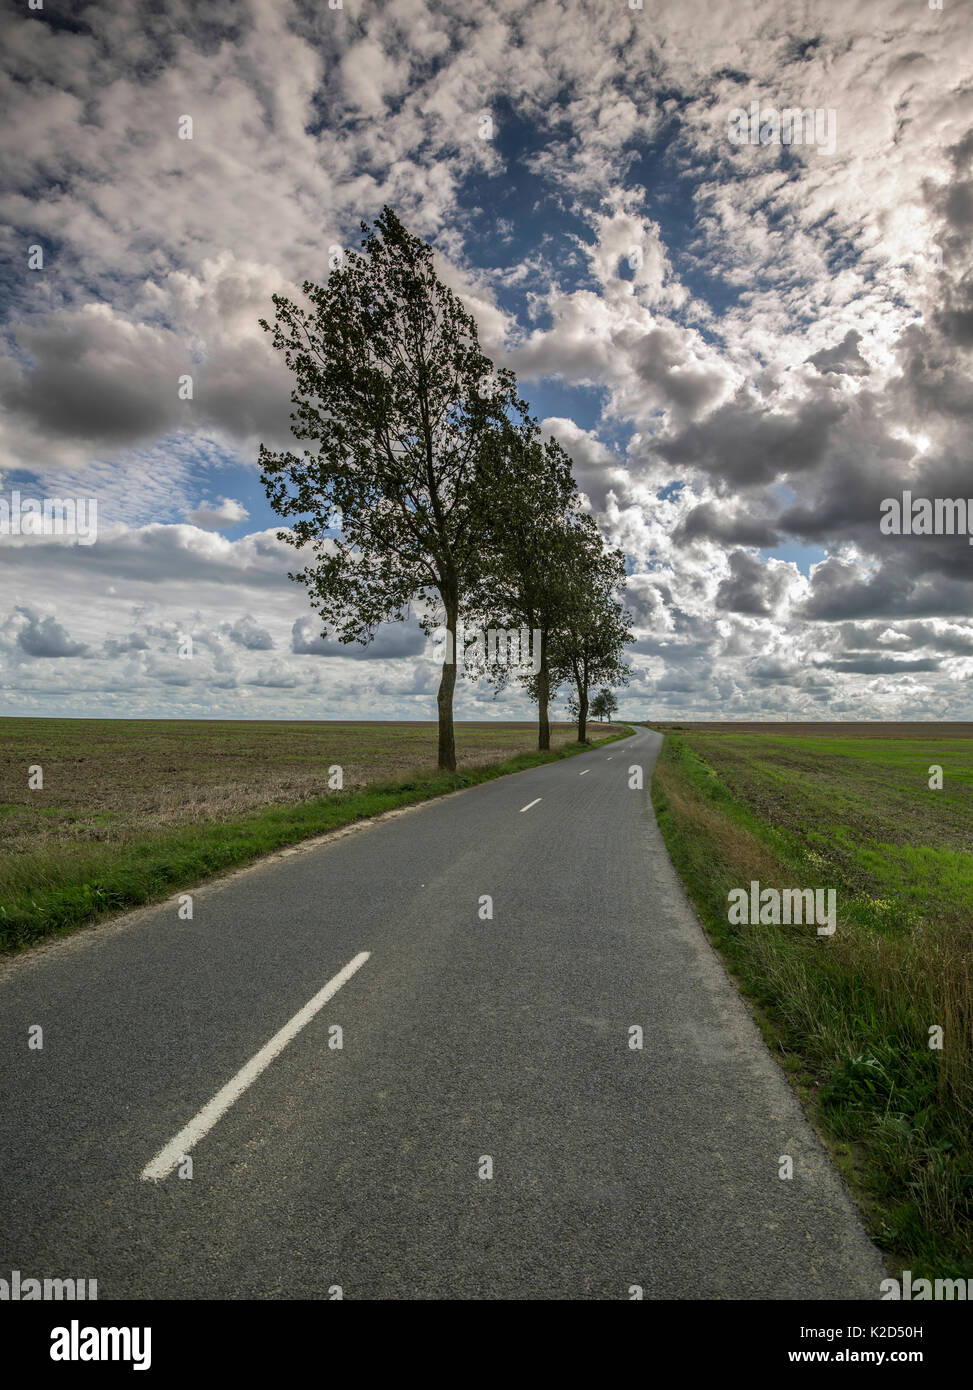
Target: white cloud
767	332
215	515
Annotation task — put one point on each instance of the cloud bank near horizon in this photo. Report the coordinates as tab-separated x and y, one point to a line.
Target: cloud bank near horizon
745	348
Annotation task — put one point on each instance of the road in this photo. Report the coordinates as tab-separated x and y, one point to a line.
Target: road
464	1038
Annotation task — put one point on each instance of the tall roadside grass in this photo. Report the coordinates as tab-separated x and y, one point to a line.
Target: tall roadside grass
849	1015
64	886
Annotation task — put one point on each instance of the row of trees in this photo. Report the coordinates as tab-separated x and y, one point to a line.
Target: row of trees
430	487
604	705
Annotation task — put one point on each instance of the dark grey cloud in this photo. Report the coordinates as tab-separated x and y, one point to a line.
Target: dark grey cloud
743	443
842	359
678	682
45	637
96	378
752	587
646	598
172	676
159	553
247	632
92	376
905	637
774	671
868	465
873	664
953	203
953	642
659	359
840	591
729	525
673	653
392	640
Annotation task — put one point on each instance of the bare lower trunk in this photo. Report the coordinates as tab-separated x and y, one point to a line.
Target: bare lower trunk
581	685
582	717
543	699
447	738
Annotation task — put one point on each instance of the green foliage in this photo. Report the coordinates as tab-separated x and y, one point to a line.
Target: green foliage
393	389
589	645
604	705
428	484
530	512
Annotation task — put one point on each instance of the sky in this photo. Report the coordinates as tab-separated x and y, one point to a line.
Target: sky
744	347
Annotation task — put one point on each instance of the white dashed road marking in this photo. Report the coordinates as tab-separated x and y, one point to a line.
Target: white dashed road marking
174	1152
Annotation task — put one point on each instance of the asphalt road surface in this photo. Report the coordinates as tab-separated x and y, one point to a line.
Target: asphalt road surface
471	1045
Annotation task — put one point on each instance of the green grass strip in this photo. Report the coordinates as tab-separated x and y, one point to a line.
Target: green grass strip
846	1017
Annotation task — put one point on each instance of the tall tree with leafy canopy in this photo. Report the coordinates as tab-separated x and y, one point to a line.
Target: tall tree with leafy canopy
392	388
604	705
532	511
589	647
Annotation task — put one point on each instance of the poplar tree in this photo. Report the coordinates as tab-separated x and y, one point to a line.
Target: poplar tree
604	705
589	647
532	512
399	402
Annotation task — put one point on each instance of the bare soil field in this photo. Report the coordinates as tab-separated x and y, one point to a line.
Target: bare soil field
104	778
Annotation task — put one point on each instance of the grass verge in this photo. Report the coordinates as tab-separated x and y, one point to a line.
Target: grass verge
847	1016
51	894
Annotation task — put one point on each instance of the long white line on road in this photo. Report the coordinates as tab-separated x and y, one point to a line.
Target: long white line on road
530	804
585	773
173	1153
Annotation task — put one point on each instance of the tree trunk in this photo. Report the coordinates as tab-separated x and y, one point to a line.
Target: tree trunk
543	699
447	737
582	716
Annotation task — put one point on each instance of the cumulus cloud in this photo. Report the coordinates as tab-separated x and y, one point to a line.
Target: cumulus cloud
844	358
744	349
46	637
751	587
276	678
743	442
391	640
121	646
215	515
247	632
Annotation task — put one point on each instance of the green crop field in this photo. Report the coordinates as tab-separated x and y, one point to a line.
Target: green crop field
130	810
852	1016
